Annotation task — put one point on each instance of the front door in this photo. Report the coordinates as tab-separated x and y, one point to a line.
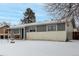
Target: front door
22	33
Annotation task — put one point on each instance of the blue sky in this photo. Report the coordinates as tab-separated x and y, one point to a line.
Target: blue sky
13	12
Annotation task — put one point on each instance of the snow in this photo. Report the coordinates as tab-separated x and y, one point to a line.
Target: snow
39	48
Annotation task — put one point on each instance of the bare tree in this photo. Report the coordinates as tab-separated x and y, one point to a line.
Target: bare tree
63	10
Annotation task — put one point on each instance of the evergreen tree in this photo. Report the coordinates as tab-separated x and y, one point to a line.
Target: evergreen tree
29	16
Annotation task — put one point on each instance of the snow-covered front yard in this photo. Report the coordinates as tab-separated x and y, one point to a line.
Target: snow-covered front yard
38	48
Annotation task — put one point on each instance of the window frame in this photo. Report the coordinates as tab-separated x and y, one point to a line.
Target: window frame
52	27
60	28
43	28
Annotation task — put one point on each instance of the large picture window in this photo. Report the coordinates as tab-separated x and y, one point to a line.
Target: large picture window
61	26
41	28
52	27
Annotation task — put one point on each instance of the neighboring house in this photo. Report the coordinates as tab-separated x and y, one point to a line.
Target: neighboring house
57	30
4	32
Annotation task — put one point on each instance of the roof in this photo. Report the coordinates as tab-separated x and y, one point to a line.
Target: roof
1	26
40	23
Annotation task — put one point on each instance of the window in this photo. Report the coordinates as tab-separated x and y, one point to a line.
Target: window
6	36
2	37
27	29
41	28
61	26
6	31
32	29
16	31
52	27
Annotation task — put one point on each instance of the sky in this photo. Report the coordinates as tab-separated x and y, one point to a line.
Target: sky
13	12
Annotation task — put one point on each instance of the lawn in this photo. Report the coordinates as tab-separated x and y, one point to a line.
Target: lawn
39	48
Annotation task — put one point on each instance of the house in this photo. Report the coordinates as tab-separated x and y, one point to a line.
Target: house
4	31
57	30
